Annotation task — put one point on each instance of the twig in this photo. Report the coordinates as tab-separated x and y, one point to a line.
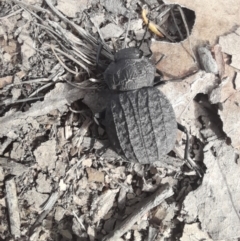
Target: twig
38	81
175	22
107	52
79	221
11	14
187	30
10	101
160	195
36	8
61	62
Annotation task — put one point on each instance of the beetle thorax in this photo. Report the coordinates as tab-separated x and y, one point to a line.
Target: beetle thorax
130	70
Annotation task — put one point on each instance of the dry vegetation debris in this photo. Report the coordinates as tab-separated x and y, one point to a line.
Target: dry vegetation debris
59	179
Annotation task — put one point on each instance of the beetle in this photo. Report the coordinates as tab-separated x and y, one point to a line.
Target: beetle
139	119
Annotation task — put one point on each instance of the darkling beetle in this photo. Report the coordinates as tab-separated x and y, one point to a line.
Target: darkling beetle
139	119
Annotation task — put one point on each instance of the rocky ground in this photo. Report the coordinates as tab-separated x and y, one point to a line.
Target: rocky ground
60	178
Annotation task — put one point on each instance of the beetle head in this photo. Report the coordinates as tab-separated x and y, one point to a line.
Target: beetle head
128	53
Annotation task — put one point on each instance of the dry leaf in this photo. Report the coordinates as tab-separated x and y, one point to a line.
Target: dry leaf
228	99
87	162
5	81
111	31
72	7
94	175
181	95
229	112
43	183
193	232
27	46
46	155
59	213
35	198
231	45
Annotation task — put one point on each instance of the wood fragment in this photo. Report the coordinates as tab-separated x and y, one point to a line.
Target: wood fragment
219	60
4	145
47	208
145	206
12	205
152	233
12	166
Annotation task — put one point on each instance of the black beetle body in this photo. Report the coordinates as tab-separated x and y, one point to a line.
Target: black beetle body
141	125
140	121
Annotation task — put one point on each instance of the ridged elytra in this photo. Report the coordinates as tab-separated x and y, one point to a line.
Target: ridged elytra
139	119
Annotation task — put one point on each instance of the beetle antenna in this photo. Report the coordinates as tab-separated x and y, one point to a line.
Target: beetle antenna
125	39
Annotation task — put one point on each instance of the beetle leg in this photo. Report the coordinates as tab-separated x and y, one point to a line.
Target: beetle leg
194	165
158	79
99	119
184	129
98	63
99	49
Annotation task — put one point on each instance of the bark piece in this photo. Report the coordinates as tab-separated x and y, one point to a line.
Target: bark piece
160	195
13	211
103	204
12	166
